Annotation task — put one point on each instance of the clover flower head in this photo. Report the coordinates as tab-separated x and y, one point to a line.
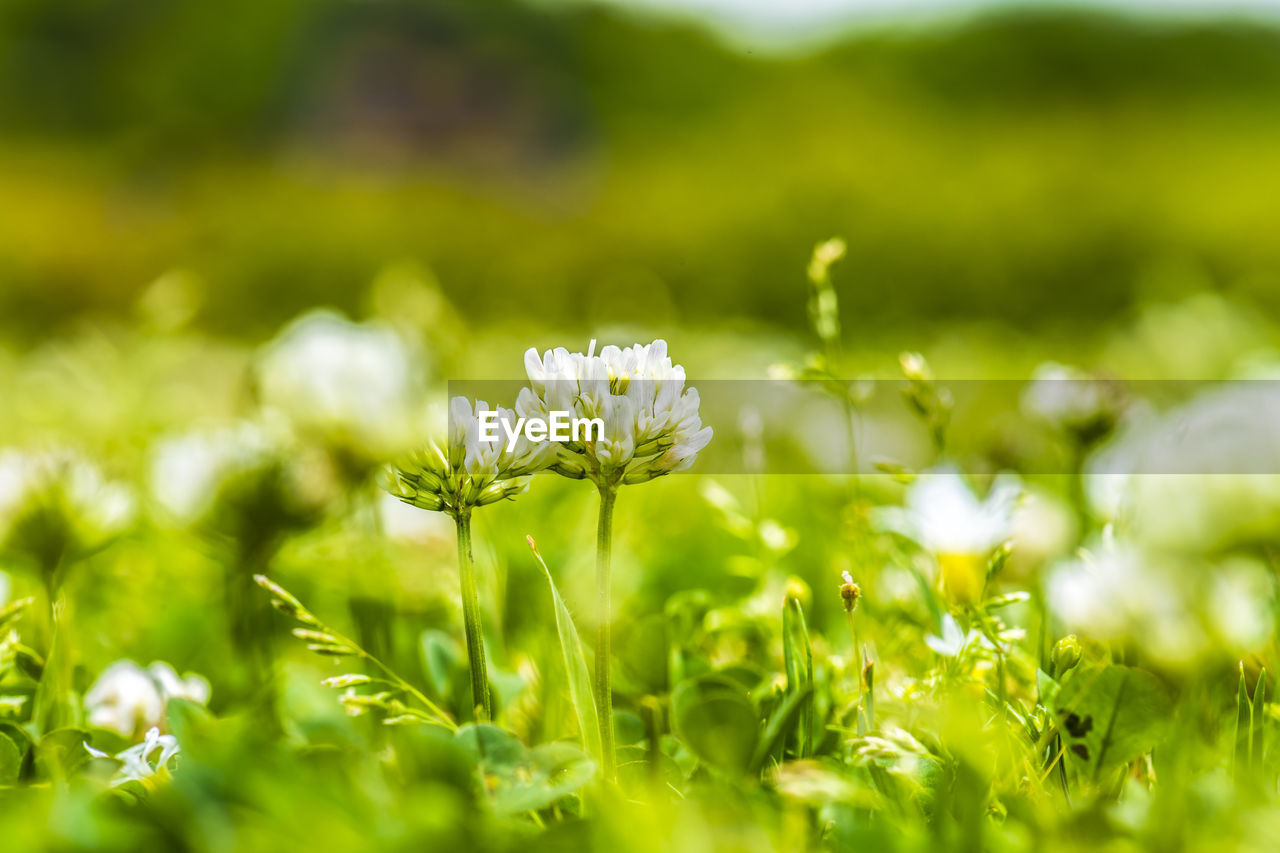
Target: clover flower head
652	424
352	386
56	504
472	469
127	698
140	763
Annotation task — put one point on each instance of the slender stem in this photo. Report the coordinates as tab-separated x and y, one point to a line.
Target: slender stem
603	689
471	618
857	649
52	705
404	686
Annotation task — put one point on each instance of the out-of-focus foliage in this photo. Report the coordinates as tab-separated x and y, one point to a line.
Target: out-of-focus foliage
1007	636
564	165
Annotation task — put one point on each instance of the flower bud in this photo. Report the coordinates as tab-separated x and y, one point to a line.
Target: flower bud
1066	654
850	592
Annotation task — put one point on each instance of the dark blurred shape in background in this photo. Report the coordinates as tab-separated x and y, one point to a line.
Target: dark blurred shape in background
1031	167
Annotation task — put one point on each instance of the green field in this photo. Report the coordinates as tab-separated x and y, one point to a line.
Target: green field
964	562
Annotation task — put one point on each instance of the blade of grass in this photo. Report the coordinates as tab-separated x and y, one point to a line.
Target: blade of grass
793	628
1244	724
575	665
1258	715
780	722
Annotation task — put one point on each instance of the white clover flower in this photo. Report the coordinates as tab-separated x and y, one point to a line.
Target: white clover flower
55	504
127	698
652	425
139	763
471	470
945	517
352	386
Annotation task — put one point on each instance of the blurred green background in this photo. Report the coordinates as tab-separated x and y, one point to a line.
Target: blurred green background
179	179
564	166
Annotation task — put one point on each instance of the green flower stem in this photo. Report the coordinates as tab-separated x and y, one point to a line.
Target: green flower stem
603	688
471	617
53	707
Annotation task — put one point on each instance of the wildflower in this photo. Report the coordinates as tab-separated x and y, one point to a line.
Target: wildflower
947	519
470	471
953	639
652	427
241	478
56	507
1180	607
1217	458
850	592
351	387
1073	400
243	483
127	698
137	763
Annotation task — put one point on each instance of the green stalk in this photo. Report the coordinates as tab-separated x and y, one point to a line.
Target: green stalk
53	708
603	688
471	618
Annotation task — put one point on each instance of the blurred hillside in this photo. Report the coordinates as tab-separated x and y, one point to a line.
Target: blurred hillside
575	167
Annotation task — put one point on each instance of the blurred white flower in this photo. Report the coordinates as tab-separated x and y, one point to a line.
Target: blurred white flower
128	699
652	425
1044	528
1200	477
1177	608
140	763
236	475
945	517
189	471
55	505
953	639
471	470
353	386
1071	398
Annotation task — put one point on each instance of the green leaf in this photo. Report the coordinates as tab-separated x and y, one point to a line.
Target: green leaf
575	664
639	771
61	752
1109	716
441	660
517	779
718	722
493	748
10	762
644	653
797	653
